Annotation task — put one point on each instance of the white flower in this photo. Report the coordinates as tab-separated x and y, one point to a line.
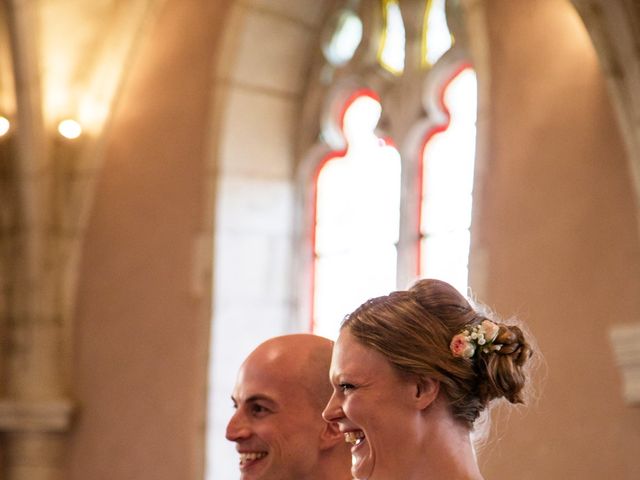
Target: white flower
490	330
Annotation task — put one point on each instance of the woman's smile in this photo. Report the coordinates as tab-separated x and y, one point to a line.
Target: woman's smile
369	399
355	438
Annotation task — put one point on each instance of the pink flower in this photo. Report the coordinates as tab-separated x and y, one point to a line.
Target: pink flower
461	346
490	330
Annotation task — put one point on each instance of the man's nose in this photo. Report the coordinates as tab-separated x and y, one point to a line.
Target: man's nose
237	428
333	411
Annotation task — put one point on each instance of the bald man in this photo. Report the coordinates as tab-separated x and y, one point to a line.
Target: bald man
281	390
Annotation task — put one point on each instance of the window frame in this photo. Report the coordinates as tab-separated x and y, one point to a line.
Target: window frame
363	71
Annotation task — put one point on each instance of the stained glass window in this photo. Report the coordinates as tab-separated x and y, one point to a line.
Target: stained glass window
357	219
437	38
447	183
366	242
345	36
392	42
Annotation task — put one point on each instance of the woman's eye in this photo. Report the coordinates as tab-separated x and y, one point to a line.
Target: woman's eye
346	386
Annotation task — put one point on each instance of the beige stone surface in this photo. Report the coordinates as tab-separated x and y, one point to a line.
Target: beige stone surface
257	134
309	13
269	52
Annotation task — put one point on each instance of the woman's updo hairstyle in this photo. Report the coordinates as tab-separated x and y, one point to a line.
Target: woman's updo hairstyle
413	329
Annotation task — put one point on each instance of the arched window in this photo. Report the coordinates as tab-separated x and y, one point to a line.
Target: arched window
383	215
447	166
357	216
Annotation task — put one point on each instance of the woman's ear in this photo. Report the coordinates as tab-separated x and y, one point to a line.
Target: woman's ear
426	392
330	436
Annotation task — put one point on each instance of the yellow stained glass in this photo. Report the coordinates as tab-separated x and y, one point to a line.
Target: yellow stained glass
436	37
392	43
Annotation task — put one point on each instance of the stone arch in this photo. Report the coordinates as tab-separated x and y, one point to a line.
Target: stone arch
258	86
614	28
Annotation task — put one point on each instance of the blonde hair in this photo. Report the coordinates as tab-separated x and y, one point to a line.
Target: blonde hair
413	330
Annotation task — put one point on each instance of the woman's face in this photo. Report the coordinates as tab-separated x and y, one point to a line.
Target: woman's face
373	404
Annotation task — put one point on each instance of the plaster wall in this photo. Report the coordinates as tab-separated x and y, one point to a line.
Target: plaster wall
141	326
561	233
258	87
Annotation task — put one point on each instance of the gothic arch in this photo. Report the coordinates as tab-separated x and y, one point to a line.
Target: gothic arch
614	27
257	94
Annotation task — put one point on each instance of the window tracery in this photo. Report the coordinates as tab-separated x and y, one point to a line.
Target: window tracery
425	87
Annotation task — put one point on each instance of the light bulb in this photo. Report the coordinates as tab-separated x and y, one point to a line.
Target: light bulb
5	125
69	129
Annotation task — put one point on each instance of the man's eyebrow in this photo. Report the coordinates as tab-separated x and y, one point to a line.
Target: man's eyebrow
258	397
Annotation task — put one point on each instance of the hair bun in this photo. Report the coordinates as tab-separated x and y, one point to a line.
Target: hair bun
506	337
504	367
513	344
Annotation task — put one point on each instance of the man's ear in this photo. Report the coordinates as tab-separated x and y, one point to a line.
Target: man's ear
330	436
426	392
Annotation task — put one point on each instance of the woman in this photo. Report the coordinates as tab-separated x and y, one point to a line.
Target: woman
411	372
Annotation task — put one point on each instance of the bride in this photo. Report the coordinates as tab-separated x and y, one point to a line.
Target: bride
411	373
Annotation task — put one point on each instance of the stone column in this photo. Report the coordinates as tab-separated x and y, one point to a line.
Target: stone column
33	410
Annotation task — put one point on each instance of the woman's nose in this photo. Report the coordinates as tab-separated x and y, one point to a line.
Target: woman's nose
333	411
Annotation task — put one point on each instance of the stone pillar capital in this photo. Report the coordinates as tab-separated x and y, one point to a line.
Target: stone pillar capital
18	416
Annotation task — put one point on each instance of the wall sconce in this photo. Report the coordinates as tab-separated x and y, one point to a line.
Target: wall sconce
70	129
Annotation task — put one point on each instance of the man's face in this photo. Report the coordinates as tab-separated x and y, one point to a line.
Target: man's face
275	425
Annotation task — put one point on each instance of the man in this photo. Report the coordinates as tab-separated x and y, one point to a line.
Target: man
281	390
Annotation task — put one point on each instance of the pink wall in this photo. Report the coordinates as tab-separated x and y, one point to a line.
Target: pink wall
562	237
140	336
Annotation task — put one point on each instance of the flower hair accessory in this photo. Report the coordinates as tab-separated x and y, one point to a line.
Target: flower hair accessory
476	337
